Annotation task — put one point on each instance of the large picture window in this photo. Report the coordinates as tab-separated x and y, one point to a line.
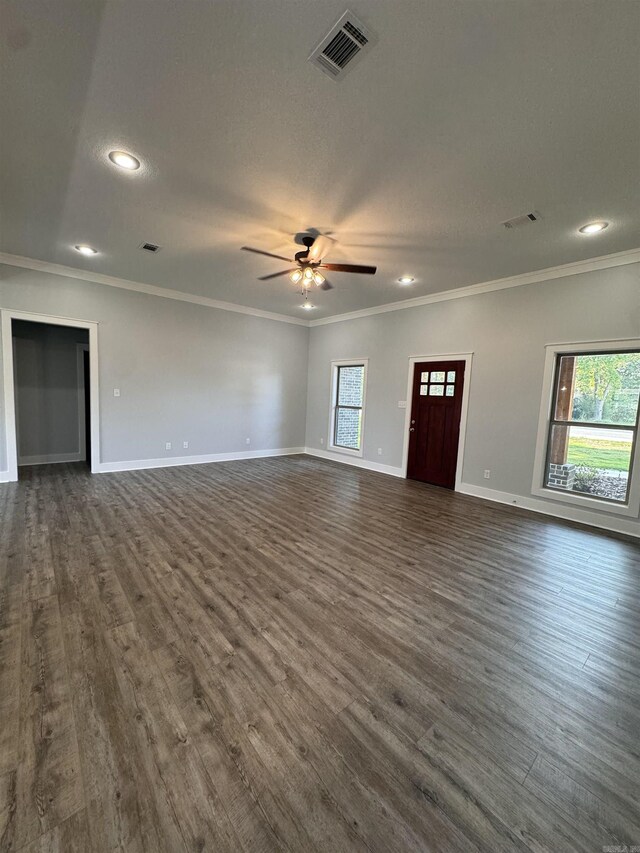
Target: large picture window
593	424
348	405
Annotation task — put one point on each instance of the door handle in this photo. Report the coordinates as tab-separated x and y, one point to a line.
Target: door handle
412	429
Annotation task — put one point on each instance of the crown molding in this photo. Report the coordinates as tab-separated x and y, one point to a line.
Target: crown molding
630	256
149	289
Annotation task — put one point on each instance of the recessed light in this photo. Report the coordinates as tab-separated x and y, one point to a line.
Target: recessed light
86	250
308	306
406	279
124	160
593	227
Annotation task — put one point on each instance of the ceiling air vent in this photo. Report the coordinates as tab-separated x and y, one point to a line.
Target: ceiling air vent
343	44
150	247
525	219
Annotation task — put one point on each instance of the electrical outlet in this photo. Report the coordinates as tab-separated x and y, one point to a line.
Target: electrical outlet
487	474
247	441
116	392
185	445
402	404
322	441
167	445
379	451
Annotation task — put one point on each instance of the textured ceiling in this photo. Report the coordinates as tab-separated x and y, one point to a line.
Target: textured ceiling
463	115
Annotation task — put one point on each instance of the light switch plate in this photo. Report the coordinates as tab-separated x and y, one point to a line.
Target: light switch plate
116	392
402	404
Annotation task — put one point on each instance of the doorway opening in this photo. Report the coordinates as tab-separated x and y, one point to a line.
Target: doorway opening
51	379
437	402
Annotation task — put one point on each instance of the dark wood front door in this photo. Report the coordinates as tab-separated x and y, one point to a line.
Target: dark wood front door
434	430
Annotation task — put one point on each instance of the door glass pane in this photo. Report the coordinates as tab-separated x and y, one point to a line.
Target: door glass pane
451	376
450	390
436	390
599	387
437	375
348	428
424	376
350	385
591	460
423	390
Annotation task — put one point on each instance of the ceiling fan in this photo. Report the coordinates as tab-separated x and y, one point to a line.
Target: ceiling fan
308	264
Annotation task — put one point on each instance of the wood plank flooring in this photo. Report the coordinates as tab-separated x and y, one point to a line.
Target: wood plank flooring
292	655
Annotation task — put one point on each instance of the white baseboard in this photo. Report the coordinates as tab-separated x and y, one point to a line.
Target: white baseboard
173	461
356	461
581	516
50	459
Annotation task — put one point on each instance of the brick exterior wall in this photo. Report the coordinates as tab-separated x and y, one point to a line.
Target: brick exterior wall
348	428
350	393
561	476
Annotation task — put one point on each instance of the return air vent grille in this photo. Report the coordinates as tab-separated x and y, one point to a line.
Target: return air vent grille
525	219
344	42
150	247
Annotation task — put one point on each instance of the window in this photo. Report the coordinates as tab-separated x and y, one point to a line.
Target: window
348	405
592	427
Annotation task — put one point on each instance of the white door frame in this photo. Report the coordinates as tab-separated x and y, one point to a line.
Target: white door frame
11	475
467	357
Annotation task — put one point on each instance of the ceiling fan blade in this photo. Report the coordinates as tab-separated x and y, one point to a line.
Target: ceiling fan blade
349	268
320	248
326	285
268	254
275	274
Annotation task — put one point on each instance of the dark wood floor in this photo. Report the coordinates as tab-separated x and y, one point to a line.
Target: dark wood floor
288	654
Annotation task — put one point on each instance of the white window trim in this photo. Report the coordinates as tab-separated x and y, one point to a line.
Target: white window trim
632	506
346	362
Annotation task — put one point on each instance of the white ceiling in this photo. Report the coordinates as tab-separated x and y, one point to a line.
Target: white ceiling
465	113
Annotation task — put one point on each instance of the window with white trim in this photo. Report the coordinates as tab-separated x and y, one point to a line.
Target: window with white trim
592	428
347	412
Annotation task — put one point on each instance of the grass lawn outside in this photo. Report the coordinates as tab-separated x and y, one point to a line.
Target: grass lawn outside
615	455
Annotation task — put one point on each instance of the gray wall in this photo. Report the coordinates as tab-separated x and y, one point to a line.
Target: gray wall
213	378
507	331
47	395
185	372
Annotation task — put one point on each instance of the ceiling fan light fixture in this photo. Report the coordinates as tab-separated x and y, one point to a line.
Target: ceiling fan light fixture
318	278
295	276
308	273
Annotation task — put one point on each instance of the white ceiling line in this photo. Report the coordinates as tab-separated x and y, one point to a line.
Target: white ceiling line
630	256
150	289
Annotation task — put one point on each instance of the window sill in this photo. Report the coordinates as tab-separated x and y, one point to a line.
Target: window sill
346	450
591	503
